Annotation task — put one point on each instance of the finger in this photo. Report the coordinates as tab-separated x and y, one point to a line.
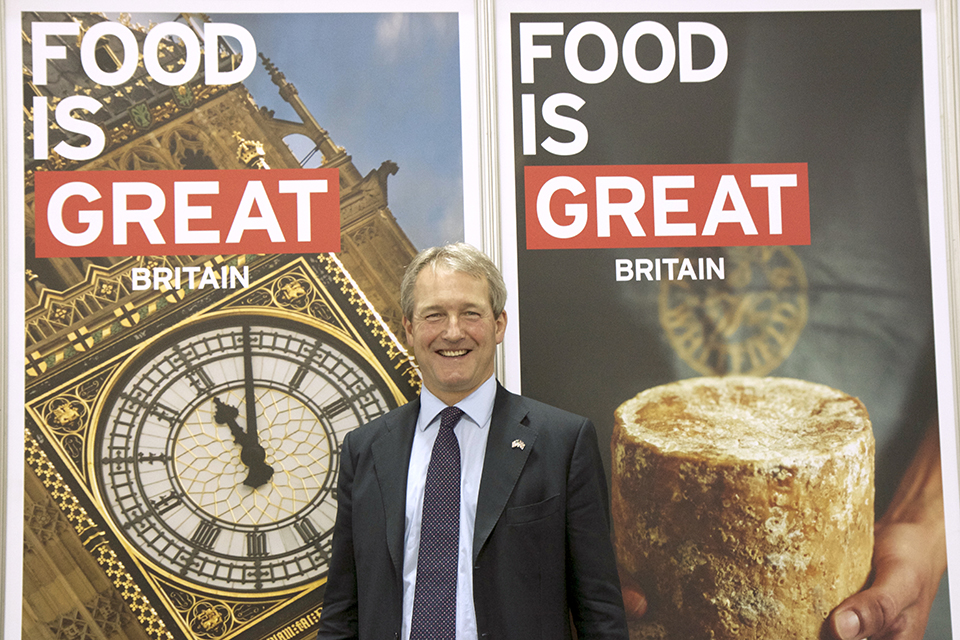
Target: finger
634	603
846	625
634	599
868	613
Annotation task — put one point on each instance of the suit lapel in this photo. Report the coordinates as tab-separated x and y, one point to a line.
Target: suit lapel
502	463
391	457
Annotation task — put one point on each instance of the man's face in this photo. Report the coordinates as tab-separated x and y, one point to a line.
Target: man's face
453	332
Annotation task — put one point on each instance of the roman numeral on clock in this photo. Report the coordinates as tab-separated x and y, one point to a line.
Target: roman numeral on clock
256	544
335	408
167	502
306	529
302	371
164	412
195	374
205	535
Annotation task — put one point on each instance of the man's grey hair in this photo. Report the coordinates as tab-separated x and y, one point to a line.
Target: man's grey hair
461	257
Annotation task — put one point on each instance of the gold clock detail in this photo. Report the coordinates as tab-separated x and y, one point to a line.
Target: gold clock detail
746	323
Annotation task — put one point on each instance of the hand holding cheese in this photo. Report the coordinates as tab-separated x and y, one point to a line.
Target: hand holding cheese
908	560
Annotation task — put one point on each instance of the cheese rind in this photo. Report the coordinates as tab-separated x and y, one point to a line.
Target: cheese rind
743	507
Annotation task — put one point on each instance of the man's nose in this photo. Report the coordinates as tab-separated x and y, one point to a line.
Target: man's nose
453	329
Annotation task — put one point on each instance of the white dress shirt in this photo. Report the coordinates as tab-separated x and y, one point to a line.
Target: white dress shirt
471	432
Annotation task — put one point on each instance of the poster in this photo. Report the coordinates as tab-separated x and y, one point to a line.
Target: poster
217	208
701	192
842	97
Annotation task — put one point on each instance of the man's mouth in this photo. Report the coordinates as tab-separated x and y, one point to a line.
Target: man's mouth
453	354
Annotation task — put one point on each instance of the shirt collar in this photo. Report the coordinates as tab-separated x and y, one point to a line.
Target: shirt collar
478	406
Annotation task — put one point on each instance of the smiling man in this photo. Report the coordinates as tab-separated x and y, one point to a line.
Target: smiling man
471	512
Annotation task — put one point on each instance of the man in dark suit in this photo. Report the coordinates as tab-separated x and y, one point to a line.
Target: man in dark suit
524	547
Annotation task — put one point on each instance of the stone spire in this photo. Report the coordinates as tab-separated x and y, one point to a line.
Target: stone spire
333	155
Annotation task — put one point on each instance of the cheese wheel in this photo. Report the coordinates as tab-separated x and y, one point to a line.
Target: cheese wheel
743	507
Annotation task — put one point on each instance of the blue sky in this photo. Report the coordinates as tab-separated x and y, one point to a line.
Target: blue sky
386	86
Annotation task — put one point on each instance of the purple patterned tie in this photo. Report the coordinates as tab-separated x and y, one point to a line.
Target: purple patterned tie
435	594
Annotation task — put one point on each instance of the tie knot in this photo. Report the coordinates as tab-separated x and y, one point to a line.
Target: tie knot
449	417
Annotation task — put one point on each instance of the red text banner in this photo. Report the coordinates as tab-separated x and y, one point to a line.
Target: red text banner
693	205
134	213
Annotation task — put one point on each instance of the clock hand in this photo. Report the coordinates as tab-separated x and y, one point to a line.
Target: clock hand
227	415
250	396
251	453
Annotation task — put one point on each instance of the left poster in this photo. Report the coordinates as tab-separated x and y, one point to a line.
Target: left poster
217	210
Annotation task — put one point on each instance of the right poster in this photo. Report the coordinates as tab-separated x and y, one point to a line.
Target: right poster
729	194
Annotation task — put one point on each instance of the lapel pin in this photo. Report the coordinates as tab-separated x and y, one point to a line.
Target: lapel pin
518	444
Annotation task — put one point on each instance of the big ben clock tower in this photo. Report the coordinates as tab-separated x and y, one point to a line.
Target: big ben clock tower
182	444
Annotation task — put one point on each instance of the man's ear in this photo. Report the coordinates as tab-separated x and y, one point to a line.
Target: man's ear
501	326
408	330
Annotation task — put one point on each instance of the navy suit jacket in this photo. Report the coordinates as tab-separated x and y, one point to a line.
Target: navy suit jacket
541	545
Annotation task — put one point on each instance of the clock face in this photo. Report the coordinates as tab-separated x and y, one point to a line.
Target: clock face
217	451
